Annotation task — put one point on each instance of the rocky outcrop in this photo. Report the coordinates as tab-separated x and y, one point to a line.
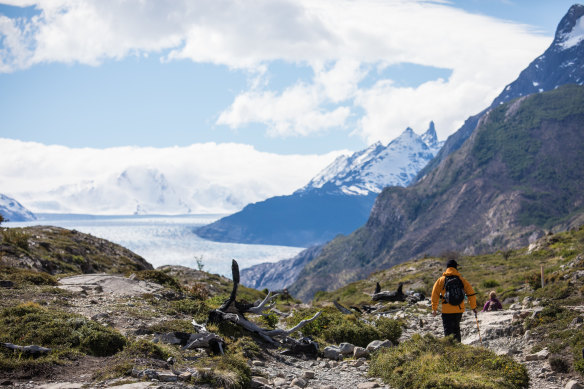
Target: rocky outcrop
516	177
57	250
562	63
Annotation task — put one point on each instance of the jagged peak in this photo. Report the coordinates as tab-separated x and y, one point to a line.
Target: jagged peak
430	137
570	31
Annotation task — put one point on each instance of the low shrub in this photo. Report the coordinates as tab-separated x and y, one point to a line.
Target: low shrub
160	278
175	325
388	329
488	284
199	309
143	348
27	277
16	237
30	323
334	327
227	371
428	362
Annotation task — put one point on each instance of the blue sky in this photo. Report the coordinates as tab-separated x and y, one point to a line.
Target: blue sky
108	106
97	74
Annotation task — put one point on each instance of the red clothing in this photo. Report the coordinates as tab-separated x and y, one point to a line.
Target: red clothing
492	305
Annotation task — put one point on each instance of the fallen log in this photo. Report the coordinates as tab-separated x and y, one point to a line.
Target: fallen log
33	350
385	295
234	311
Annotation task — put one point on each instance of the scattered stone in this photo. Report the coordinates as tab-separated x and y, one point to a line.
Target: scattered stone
577	322
301	383
167	377
360	352
186	376
358	362
539	356
573	384
368	385
376	344
308	375
259	382
279	382
258	363
346	348
332	352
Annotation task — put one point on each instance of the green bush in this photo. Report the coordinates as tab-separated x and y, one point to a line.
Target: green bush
143	348
388	329
488	284
16	237
199	309
160	278
27	277
227	371
428	362
334	327
29	323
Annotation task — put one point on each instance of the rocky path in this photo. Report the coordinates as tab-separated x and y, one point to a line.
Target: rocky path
289	372
109	299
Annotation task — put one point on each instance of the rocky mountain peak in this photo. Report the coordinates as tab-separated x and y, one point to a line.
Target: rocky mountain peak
570	30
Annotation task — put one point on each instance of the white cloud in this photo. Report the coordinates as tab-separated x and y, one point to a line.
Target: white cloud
201	178
341	40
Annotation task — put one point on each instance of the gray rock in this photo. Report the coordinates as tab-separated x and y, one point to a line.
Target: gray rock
167	377
258	363
259	382
573	384
346	348
279	382
360	352
332	352
300	382
368	385
376	344
308	375
539	356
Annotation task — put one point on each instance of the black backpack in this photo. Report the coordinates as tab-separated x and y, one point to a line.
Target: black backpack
454	290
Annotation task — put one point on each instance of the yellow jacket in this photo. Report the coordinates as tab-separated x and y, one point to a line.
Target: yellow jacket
438	291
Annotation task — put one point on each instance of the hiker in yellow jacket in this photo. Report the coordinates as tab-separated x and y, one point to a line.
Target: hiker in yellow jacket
452	314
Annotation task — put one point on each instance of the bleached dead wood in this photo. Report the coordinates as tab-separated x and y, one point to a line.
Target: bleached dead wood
233	311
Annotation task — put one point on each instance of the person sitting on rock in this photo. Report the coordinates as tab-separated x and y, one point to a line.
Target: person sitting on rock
451	289
493	304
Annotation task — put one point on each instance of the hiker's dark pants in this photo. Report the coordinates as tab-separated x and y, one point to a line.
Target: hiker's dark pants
451	323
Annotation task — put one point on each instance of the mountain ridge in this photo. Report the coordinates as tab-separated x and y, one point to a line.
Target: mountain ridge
496	191
336	201
560	64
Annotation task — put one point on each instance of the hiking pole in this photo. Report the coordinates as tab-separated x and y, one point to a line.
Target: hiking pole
477	320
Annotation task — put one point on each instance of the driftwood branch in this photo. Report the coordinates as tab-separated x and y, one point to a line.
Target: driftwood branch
32	350
343	310
233	311
385	295
260	308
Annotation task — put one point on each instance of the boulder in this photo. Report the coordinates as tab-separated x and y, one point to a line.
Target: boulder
299	382
360	352
573	384
346	348
332	352
377	344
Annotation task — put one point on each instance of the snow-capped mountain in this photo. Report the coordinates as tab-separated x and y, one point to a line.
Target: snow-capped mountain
336	201
136	190
562	63
370	170
12	210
